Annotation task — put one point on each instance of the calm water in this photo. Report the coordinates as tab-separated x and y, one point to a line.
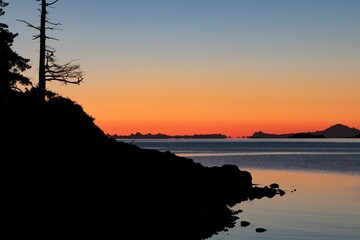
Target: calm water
321	178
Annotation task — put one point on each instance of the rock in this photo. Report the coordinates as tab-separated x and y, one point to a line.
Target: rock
260	230
238	211
244	223
281	192
274	185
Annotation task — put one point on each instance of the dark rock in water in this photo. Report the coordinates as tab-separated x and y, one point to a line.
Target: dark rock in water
230	183
260	230
281	192
258	192
274	185
238	211
244	223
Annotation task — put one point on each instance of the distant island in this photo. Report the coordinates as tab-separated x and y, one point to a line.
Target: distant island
335	131
357	136
305	135
164	136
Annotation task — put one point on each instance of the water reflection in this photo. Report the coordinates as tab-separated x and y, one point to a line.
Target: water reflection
324	206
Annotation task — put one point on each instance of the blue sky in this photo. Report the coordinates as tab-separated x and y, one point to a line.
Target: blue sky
144	27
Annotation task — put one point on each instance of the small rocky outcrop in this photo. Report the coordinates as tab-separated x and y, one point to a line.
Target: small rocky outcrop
260	230
244	223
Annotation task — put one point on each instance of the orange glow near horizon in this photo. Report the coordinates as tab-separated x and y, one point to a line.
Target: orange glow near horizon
171	102
196	103
181	128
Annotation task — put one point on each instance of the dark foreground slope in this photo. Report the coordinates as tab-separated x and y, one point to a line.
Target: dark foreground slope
63	178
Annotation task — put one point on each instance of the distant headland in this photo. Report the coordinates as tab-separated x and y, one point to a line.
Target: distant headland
335	131
164	136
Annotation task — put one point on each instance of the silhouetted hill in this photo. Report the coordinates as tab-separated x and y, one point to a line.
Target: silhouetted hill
338	131
306	135
164	136
335	131
261	134
63	178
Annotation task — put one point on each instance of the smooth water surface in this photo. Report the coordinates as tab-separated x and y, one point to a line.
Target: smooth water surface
324	206
325	155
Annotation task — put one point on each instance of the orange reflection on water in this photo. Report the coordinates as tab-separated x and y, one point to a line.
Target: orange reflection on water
306	180
332	193
324	206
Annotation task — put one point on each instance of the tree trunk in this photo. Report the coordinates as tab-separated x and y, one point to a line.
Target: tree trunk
42	80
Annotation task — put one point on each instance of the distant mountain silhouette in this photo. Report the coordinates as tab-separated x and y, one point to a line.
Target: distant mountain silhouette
357	136
305	135
338	131
335	131
261	134
164	136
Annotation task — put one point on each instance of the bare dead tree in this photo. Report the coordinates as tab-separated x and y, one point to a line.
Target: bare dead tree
49	69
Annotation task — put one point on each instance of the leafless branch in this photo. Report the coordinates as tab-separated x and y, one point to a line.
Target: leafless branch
52	3
29	24
47	37
52	23
66	73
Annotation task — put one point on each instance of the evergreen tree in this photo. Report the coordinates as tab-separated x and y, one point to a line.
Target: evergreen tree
11	64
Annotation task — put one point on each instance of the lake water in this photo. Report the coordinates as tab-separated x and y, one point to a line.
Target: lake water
321	178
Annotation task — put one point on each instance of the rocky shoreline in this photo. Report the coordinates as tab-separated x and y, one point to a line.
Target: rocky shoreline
85	185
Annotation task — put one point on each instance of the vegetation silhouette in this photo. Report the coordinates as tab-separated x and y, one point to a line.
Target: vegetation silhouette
11	64
85	185
64	178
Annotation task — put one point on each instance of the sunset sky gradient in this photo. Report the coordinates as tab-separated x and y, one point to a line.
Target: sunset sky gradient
205	66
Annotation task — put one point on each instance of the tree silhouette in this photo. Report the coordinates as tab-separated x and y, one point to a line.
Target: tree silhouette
2	4
11	64
49	69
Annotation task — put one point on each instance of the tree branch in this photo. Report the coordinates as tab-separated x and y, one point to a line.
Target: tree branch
52	3
28	24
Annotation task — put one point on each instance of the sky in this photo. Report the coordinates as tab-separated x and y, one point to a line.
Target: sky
204	66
